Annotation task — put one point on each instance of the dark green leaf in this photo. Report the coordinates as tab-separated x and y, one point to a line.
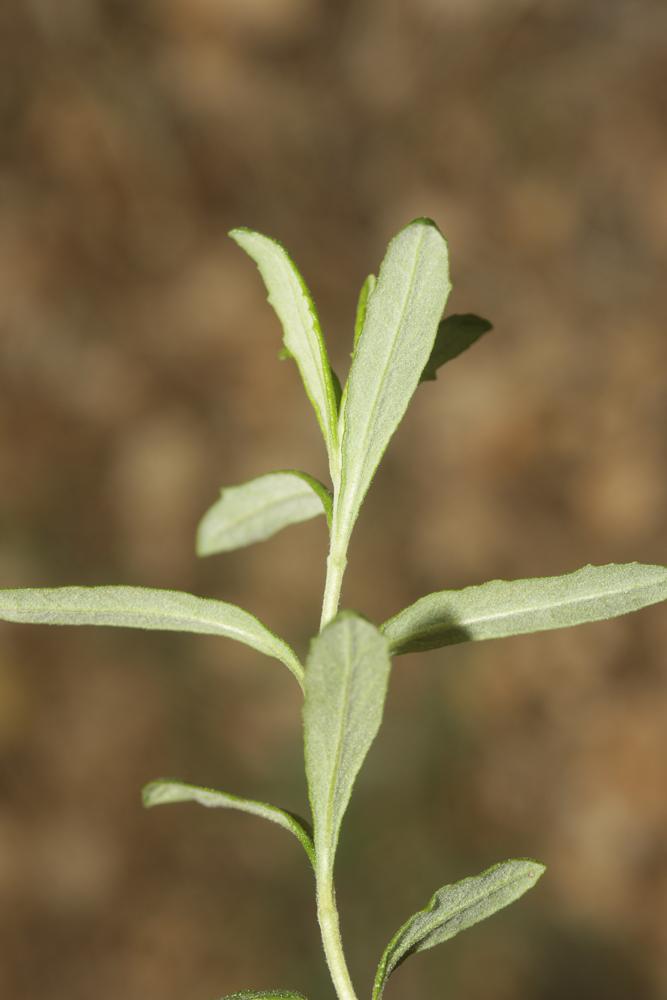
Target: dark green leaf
455	335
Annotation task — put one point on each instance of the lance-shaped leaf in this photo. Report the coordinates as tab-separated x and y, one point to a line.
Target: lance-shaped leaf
512	607
265	995
258	509
165	791
302	333
400	324
454	908
140	607
455	335
346	679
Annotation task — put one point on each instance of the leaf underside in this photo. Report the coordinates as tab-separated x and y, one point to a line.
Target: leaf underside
345	687
454	908
166	791
514	607
258	509
400	322
141	607
455	335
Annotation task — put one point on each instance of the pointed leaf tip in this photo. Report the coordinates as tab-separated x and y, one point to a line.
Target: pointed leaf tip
400	321
454	908
302	332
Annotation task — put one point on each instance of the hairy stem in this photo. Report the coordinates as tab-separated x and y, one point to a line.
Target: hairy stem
327	914
336	563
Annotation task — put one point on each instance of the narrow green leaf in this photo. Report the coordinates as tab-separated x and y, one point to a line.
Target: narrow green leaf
455	335
512	607
139	607
362	305
259	508
454	908
302	333
346	679
401	321
165	791
265	995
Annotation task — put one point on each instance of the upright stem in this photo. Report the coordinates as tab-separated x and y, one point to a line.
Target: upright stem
327	914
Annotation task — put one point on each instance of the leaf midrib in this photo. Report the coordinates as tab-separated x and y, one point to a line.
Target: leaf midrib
435	627
344	715
433	924
347	489
288	498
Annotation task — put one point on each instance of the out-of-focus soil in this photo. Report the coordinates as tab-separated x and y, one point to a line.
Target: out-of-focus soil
138	373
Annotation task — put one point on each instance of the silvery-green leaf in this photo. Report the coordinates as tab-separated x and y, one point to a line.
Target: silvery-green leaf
362	305
265	995
455	335
302	333
165	791
512	607
259	508
455	908
400	324
346	679
140	607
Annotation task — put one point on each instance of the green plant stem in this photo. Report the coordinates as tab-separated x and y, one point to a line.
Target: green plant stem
336	563
327	914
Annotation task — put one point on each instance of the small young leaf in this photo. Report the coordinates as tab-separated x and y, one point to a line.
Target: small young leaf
455	335
362	305
302	333
399	328
512	607
164	791
455	908
265	995
346	681
139	607
258	509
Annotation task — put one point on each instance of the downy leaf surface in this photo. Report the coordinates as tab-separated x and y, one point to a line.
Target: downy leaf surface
455	335
258	509
512	607
302	333
346	679
140	607
165	791
400	324
455	908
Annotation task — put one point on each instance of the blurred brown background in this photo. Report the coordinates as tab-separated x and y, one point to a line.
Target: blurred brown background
138	373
